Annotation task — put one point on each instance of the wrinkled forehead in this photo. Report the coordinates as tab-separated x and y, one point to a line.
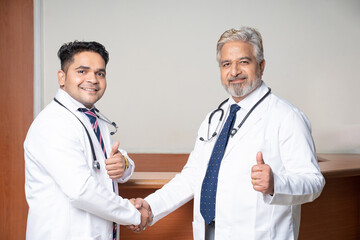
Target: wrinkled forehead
237	49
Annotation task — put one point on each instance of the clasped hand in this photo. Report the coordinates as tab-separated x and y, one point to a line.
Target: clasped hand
146	214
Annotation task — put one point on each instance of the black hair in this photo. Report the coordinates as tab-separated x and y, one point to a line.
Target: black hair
68	50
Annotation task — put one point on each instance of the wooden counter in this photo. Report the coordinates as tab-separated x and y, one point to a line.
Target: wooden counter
334	215
339	165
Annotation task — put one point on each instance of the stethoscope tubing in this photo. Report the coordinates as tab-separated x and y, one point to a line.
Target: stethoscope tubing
105	119
222	113
96	164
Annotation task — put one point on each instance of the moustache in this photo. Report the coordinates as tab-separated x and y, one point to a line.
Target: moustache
239	77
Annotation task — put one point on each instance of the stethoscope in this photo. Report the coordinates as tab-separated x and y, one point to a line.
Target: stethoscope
222	113
96	164
105	119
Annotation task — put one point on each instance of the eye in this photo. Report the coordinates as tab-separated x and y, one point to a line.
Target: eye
226	64
244	62
101	74
81	71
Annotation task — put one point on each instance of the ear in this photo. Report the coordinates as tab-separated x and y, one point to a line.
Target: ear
262	66
61	78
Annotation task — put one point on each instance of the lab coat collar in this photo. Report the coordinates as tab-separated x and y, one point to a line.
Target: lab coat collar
68	101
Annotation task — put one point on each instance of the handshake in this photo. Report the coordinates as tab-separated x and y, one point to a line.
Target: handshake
146	214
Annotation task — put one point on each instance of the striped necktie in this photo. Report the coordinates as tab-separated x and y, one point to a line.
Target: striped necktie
209	185
94	123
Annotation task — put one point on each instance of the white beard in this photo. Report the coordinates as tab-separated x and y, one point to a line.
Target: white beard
239	90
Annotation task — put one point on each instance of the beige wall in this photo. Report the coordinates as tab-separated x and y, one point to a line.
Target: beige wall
163	77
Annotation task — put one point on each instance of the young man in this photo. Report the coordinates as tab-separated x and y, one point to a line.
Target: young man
71	166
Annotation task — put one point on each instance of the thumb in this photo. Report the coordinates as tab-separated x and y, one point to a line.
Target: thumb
114	148
138	203
259	158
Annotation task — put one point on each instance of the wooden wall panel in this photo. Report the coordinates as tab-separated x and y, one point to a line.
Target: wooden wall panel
16	104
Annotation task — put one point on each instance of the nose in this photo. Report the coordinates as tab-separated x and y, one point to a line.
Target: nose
235	69
92	77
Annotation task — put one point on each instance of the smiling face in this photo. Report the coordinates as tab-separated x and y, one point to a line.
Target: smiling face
240	72
85	78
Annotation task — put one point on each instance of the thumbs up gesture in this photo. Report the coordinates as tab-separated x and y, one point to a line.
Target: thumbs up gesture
261	176
115	164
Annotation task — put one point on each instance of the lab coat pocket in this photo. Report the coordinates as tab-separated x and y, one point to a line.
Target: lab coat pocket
198	230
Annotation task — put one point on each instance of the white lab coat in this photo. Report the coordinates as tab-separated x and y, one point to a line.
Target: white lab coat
68	198
282	133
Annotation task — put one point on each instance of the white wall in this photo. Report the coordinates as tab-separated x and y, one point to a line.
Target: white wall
163	77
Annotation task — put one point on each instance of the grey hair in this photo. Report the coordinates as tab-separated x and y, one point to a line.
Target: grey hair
243	34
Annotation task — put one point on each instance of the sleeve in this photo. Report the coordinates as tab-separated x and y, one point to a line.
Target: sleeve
299	180
172	195
128	172
54	147
178	191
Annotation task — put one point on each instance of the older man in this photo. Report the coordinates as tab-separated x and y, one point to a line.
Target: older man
254	161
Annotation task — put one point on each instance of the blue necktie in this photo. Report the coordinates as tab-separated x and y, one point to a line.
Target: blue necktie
94	123
209	185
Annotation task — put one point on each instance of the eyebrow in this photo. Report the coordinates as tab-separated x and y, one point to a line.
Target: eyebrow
86	67
82	67
247	58
242	58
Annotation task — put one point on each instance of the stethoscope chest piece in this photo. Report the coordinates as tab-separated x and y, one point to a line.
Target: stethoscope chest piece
96	165
233	132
